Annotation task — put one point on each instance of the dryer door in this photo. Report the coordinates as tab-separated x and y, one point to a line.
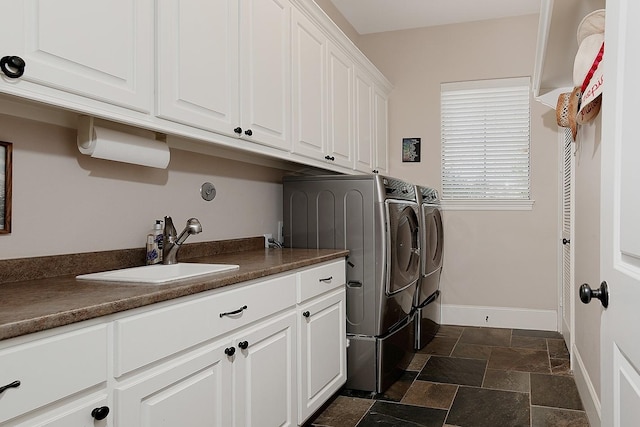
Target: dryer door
433	239
403	253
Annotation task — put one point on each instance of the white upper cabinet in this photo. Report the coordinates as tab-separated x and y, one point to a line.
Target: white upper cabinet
340	103
309	85
364	153
224	66
380	131
98	50
198	63
265	90
271	77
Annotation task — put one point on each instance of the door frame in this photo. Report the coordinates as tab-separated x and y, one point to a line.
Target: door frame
562	134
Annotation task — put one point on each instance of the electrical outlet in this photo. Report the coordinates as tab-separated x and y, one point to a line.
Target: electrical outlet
267	236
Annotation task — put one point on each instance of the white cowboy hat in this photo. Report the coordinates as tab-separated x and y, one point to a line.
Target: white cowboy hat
587	66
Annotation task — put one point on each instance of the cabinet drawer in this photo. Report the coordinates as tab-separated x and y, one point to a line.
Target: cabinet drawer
320	279
147	337
51	368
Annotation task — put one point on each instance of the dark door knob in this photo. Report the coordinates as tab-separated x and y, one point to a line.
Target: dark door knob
100	413
238	130
243	344
602	293
565	241
12	66
306	314
248	132
230	351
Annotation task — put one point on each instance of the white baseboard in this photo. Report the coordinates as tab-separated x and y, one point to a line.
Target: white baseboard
587	392
499	317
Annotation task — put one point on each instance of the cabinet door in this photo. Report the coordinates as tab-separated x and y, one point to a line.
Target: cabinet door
76	414
198	63
192	391
364	122
265	374
340	103
309	53
381	131
322	351
100	49
265	91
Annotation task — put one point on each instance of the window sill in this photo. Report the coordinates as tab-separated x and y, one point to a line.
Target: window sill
487	205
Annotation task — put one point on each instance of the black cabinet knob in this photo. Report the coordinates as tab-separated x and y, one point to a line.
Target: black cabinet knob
306	314
238	130
12	66
328	157
230	351
14	384
375	171
243	345
602	293
565	241
248	132
100	413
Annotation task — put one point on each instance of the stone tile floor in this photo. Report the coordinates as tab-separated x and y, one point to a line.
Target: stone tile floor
471	377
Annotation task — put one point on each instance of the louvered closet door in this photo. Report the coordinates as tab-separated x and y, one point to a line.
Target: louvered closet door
567	236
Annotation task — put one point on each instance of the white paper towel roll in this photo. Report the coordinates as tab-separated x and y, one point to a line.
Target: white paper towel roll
110	144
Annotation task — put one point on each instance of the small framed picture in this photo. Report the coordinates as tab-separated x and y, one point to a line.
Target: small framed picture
6	156
410	149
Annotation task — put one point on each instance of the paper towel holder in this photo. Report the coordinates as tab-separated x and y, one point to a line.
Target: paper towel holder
144	148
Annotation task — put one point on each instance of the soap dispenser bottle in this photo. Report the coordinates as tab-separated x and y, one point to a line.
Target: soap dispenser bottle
158	237
152	250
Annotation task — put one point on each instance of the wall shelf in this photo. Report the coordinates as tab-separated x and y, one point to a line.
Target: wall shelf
557	46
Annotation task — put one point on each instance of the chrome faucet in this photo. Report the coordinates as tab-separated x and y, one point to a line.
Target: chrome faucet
172	242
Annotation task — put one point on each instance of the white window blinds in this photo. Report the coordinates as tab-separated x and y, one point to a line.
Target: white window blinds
485	140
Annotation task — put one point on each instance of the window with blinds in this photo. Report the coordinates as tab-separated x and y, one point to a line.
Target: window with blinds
485	131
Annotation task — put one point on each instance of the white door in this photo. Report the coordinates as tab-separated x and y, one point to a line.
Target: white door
340	102
567	297
265	91
323	351
265	374
190	391
99	49
364	122
620	216
381	131
309	56
197	63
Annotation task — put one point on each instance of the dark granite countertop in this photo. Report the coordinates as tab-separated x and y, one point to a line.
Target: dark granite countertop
38	304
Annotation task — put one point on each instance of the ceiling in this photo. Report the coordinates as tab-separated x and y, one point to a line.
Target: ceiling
375	16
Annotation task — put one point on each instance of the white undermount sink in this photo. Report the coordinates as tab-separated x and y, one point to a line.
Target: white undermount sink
160	273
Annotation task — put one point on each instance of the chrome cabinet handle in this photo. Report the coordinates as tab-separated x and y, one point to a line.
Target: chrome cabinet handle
229	313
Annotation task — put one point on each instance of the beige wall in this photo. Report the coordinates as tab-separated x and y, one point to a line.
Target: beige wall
332	12
492	258
65	202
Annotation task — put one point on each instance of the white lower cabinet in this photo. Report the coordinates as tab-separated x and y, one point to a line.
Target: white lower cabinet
51	377
194	390
264	368
322	351
263	353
